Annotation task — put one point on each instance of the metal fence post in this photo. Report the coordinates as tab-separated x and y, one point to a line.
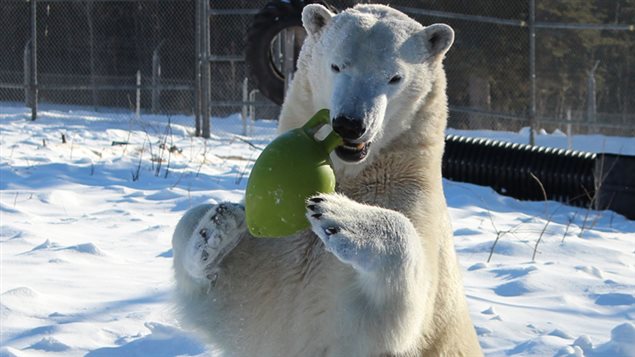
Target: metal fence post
197	67
244	111
591	105
569	135
252	109
91	37
206	75
156	79
138	96
532	70
27	74
288	56
34	84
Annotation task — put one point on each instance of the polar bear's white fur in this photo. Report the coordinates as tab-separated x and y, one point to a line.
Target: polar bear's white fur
377	273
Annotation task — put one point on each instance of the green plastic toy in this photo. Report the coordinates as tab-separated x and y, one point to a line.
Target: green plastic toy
290	169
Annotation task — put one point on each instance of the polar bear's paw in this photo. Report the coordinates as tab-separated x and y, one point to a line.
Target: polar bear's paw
217	233
345	228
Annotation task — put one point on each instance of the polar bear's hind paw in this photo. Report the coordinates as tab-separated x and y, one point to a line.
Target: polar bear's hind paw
217	233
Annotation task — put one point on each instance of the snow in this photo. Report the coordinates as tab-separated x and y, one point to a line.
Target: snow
557	139
85	229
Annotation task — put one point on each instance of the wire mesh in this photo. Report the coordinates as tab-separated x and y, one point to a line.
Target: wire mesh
93	53
14	42
228	41
489	66
103	54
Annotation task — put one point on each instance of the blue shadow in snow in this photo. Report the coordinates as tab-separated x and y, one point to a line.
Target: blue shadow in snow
163	344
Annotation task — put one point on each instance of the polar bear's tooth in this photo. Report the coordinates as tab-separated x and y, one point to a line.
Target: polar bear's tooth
354	146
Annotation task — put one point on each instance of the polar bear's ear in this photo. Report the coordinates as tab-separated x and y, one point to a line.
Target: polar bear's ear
315	17
438	39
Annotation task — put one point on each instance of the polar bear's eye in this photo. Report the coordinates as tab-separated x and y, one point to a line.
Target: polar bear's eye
394	80
335	68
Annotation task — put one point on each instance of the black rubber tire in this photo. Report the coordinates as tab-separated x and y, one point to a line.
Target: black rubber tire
269	22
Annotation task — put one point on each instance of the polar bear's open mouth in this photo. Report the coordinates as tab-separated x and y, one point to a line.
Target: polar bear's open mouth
352	152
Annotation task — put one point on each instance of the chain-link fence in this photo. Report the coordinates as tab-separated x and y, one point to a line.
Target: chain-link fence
115	54
578	75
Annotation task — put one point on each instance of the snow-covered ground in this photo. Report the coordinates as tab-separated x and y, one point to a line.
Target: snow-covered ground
85	228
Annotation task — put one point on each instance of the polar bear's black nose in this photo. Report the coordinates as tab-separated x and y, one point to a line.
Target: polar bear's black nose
349	128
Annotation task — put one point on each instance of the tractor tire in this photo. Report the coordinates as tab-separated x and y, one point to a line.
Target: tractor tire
268	23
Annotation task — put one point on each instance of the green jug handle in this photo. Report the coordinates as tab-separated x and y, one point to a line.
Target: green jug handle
331	142
322	117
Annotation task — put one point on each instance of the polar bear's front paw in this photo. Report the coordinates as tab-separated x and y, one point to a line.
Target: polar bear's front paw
342	225
217	233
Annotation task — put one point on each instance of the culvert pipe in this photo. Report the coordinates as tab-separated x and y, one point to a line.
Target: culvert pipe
583	179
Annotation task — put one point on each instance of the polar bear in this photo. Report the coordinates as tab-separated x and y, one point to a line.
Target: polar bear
376	275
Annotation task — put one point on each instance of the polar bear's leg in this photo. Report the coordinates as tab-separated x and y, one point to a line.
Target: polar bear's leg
204	239
383	246
369	238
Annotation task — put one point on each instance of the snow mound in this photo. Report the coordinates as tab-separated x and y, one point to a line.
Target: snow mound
503	247
621	344
465	232
477	266
8	233
561	334
163	341
62	198
570	351
539	346
163	195
50	344
514	288
514	272
590	270
167	254
9	352
22	292
482	331
86	248
489	311
47	245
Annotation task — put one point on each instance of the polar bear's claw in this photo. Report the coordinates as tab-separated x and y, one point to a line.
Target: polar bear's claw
337	221
316	199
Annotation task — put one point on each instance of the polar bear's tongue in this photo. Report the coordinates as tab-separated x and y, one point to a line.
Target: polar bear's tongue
353	146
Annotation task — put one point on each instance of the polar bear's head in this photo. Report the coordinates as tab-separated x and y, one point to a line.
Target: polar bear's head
372	66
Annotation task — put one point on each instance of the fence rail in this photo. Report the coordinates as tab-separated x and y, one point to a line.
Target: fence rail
515	63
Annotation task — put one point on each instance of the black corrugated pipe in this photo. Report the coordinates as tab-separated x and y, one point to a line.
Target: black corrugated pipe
602	181
615	183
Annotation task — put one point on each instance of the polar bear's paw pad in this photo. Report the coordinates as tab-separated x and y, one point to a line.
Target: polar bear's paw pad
218	232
